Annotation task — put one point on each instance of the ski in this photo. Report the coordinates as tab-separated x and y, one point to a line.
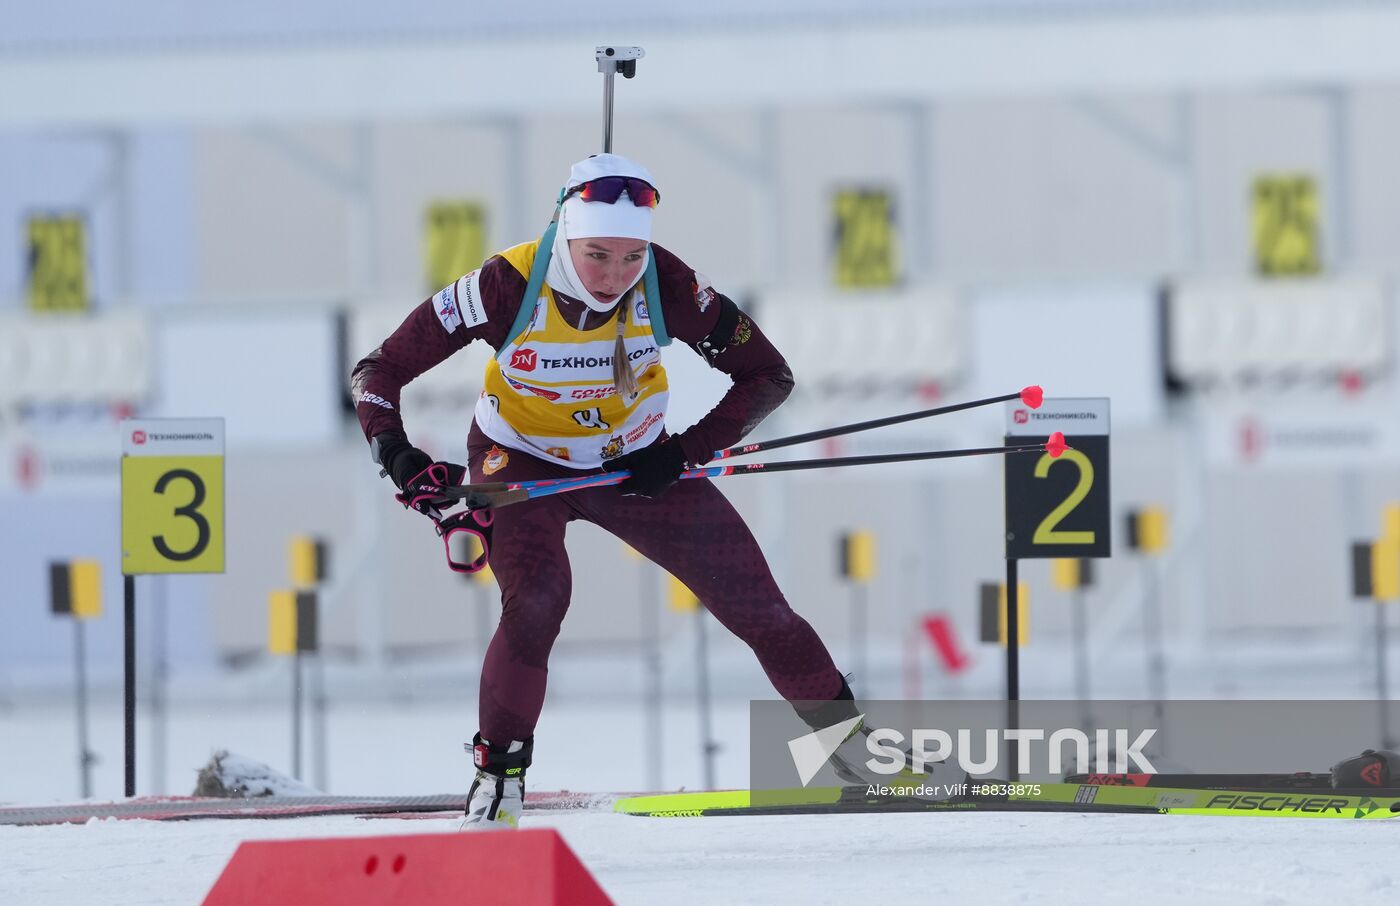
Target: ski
1306	803
190	808
1302	780
1029	797
849	800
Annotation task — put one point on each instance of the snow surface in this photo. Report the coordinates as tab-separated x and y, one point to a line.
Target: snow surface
383	746
230	774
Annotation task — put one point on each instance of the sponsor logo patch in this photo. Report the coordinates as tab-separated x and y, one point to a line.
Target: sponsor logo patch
376	400
558	452
613	449
445	307
496	460
704	292
640	431
537	391
590	361
742	332
591	418
470	306
524	359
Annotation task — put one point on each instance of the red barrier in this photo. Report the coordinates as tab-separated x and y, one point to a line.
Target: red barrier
523	868
945	642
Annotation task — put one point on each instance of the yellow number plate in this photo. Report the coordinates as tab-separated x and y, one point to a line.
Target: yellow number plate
172	514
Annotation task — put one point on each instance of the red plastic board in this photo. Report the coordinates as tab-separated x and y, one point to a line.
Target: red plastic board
523	868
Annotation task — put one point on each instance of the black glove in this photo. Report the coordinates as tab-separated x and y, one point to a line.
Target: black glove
416	475
654	468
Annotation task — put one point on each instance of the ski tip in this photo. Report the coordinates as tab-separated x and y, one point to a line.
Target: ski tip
1033	396
1055	446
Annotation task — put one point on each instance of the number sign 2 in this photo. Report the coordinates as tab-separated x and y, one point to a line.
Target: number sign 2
1059	507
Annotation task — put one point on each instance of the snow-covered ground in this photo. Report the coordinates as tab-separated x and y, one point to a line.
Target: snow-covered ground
408	740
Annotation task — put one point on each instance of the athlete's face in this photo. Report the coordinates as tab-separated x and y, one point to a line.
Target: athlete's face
608	267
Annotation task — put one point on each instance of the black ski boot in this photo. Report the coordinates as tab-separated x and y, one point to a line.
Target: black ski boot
497	795
1373	768
849	759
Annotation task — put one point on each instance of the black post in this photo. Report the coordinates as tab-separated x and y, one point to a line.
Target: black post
1013	660
702	665
1382	693
129	605
85	758
1013	633
1153	639
159	673
296	712
651	668
318	727
859	618
1081	653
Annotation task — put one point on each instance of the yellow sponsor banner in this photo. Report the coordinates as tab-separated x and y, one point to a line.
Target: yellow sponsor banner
454	240
56	272
1285	225
867	243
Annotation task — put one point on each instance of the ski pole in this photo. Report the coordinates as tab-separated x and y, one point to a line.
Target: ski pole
1055	444
499	494
1032	396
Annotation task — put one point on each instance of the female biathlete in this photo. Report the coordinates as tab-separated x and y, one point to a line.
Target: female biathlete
577	385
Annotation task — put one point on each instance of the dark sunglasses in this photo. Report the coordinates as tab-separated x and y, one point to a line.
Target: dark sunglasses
608	189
